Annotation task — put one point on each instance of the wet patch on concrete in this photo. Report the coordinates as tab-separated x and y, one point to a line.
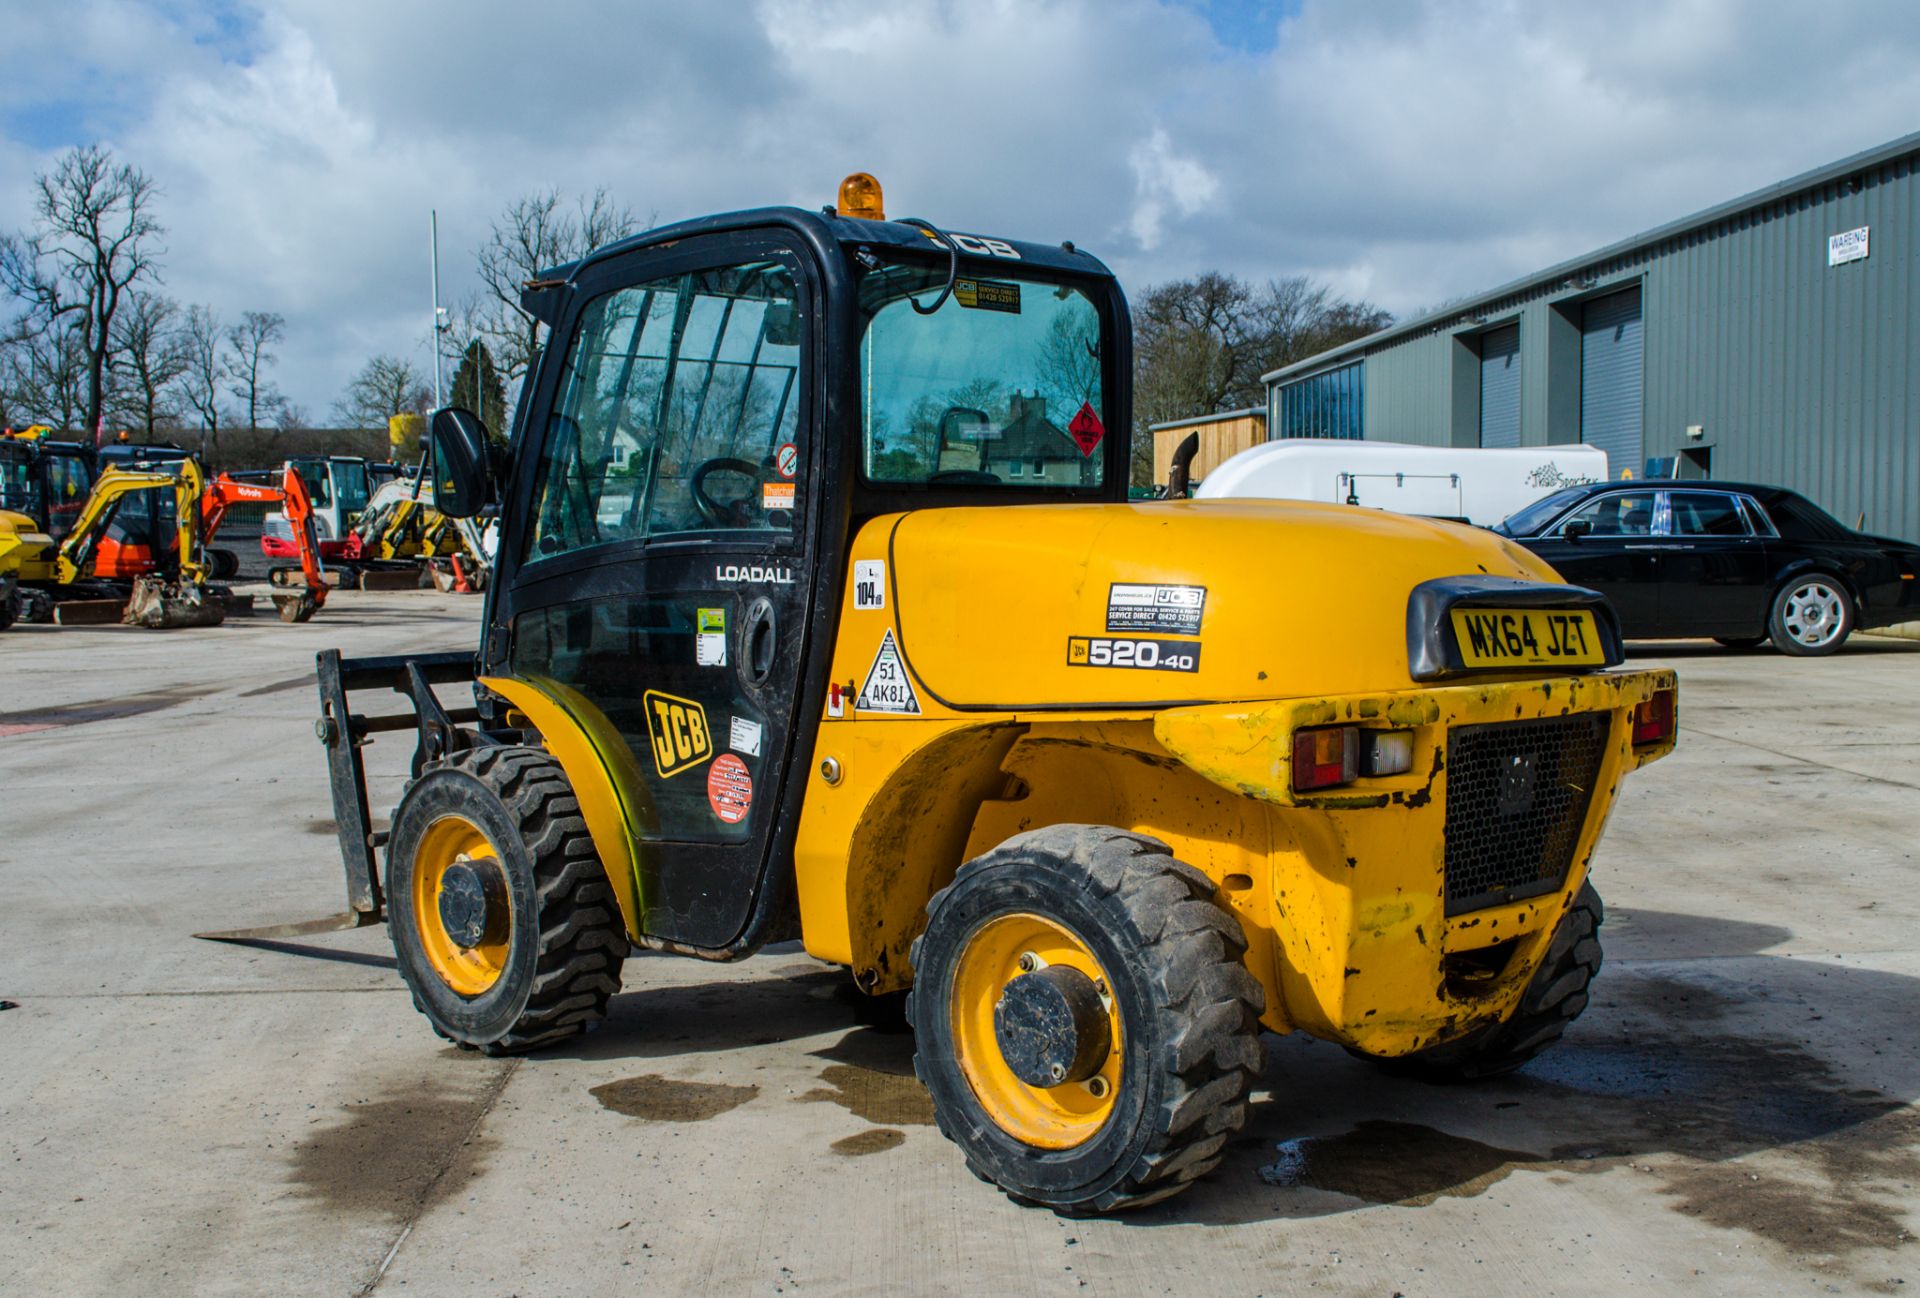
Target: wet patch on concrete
665	1099
1393	1162
885	1099
280	687
1840	1196
126	705
400	1151
1713	1091
877	1141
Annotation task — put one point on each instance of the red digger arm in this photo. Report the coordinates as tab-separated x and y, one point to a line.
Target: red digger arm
291	495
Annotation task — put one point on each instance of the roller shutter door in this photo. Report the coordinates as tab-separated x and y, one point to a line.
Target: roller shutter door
1610	366
1500	387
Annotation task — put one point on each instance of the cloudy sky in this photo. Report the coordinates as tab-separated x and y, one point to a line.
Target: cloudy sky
1404	151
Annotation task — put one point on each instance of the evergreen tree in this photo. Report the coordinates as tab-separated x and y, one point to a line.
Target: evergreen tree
477	387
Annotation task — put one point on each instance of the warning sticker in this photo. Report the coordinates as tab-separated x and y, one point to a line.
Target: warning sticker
776	495
1133	606
679	731
869	583
987	295
1149	655
1086	428
786	460
744	734
838	697
710	637
729	789
887	688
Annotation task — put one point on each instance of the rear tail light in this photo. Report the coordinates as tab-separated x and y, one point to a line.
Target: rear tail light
1653	721
1330	755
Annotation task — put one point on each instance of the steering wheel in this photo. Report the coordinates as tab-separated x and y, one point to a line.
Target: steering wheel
735	514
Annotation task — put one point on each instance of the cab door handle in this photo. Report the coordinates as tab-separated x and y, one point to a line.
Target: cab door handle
759	642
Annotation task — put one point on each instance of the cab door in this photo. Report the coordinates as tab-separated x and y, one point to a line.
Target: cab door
1714	573
656	558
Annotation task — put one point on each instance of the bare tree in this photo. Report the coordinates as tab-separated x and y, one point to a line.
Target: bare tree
204	380
246	367
537	233
150	356
1202	344
385	386
92	239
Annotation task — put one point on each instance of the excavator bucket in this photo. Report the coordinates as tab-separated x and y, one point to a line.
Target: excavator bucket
297	607
161	604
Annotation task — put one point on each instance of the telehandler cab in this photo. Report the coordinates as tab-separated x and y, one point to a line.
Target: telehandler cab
819	611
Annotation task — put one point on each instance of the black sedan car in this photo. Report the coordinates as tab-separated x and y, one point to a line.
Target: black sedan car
1733	561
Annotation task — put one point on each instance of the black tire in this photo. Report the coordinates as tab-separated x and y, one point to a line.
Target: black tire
9	608
565	941
1552	1001
1189	1010
1792	632
1740	641
225	564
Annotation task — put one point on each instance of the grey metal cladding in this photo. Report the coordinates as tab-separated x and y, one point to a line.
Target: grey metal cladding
1799	373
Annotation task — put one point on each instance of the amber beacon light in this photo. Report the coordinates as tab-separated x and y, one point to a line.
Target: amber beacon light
860	196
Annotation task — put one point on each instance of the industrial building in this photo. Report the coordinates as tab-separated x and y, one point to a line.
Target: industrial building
1769	339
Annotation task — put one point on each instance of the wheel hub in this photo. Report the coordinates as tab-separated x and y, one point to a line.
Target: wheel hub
1052	1027
471	903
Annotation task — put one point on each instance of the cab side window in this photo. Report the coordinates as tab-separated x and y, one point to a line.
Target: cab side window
1706	513
677	412
1626	513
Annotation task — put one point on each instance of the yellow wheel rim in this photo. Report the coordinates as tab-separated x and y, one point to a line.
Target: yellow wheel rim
449	842
1052	1117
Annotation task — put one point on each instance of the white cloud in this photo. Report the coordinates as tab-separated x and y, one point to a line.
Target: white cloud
1408	150
1165	181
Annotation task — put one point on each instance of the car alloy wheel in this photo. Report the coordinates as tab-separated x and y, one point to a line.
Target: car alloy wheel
1815	614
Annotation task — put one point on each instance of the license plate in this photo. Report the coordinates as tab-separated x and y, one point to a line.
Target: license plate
1531	637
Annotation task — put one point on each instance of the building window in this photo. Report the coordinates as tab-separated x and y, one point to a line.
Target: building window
1332	404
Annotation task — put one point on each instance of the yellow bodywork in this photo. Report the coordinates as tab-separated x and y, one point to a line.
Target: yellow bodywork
25	550
1005	725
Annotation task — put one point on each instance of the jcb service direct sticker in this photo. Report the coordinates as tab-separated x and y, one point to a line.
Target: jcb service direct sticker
1115	651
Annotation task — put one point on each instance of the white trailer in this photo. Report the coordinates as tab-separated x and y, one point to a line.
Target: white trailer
1474	484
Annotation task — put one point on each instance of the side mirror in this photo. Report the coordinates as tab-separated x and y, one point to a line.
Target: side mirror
1578	528
460	478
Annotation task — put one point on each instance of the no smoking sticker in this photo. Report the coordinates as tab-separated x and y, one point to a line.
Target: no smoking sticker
729	789
786	460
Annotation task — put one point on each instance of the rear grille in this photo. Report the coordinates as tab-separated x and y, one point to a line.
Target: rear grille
1517	796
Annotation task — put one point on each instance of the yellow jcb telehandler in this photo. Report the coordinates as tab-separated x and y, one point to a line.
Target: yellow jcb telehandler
819	611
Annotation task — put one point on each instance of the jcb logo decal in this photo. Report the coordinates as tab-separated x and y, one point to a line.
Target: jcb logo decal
679	729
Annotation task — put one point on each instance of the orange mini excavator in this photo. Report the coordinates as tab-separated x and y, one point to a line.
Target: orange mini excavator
227	490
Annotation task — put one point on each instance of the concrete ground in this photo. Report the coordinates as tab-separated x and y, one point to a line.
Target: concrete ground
1734	1115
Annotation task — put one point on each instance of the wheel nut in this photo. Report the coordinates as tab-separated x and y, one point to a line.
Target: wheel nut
1029	962
1097	1087
1059	1073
